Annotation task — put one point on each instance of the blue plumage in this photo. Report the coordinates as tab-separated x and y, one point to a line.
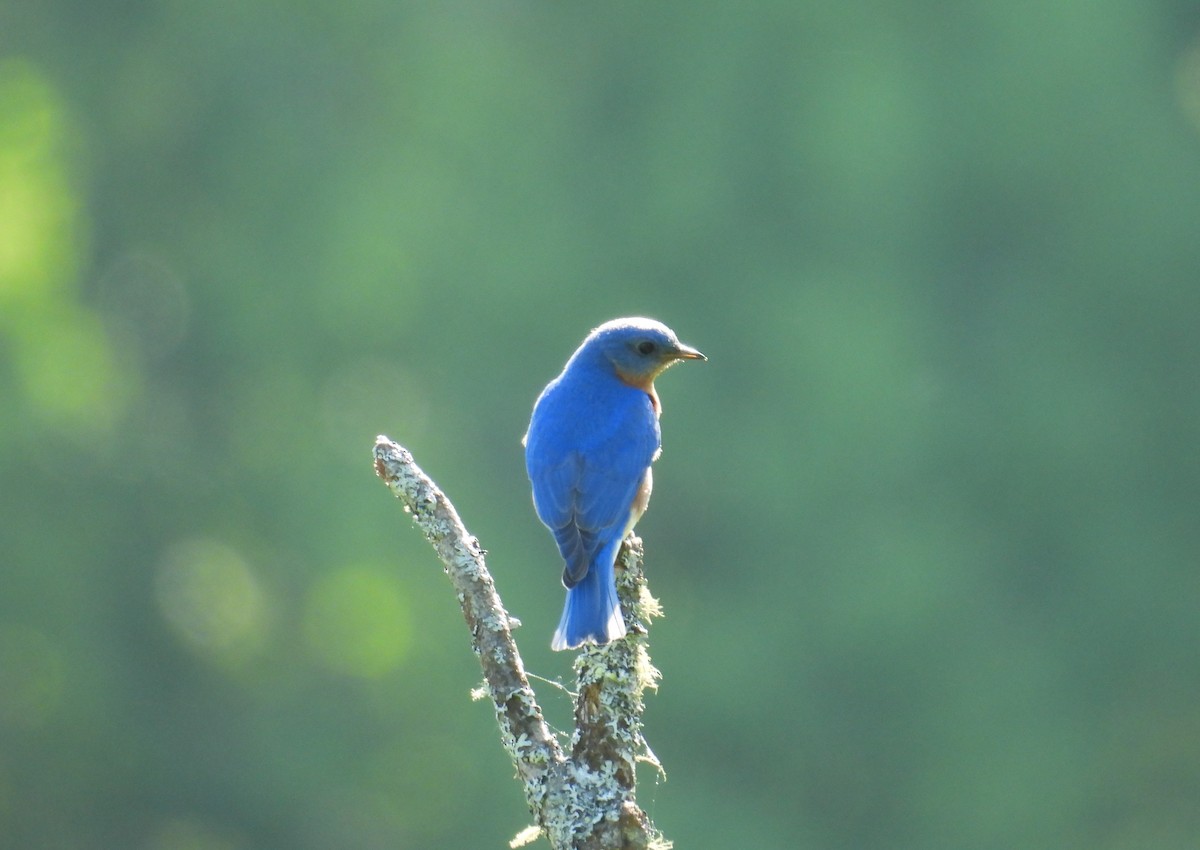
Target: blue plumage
592	437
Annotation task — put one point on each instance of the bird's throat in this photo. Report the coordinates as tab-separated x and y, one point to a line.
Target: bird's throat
643	382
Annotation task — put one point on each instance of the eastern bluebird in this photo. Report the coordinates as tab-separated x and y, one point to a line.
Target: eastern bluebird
591	440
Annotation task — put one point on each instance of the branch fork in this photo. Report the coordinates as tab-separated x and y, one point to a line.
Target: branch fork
585	799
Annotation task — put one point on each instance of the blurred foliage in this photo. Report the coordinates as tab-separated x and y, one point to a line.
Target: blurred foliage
926	528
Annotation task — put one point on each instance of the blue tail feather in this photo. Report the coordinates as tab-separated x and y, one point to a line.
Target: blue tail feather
592	613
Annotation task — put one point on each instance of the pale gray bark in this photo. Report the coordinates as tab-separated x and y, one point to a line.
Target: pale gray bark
584	799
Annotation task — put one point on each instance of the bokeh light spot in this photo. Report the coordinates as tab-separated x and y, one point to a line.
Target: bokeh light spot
358	622
68	369
63	357
145	304
212	599
37	210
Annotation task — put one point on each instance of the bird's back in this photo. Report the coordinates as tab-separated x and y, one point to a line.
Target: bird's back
585	410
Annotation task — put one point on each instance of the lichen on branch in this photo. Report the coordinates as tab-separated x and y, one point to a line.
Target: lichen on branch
584	800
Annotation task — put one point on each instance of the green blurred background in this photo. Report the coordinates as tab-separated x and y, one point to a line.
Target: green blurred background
927	525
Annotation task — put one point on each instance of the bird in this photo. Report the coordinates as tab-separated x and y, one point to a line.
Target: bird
592	438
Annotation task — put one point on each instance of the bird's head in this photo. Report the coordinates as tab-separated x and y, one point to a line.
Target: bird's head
638	349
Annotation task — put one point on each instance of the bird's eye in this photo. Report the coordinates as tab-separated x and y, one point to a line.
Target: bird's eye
646	347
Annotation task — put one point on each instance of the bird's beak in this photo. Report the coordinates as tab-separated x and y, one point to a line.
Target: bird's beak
686	352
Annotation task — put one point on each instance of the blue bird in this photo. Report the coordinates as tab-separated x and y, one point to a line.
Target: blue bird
592	437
